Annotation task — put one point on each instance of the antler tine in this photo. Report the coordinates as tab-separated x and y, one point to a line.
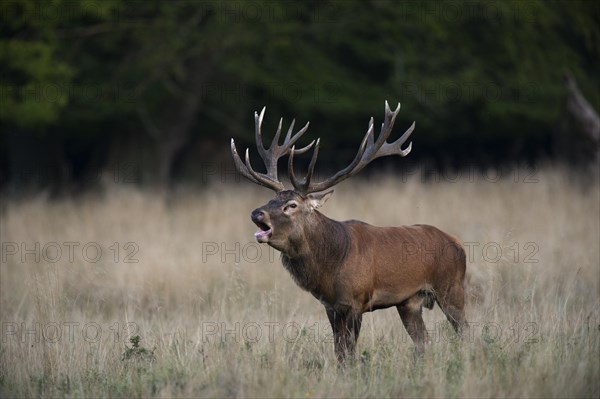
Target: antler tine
263	179
258	133
302	150
276	151
382	147
295	182
277	134
313	162
290	130
239	164
249	173
302	185
395	148
388	124
299	134
290	141
386	130
371	140
339	176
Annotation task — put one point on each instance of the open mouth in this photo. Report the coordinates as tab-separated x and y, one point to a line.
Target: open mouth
264	232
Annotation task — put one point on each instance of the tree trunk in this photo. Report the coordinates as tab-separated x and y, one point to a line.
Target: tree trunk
171	139
578	138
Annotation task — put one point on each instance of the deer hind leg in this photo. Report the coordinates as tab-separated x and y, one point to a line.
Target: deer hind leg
346	329
411	314
452	304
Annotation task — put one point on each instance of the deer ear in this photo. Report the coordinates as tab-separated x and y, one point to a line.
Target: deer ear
317	200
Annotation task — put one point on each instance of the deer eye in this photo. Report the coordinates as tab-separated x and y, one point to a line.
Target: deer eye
290	205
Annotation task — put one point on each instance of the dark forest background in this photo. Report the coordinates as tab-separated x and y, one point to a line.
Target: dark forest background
150	92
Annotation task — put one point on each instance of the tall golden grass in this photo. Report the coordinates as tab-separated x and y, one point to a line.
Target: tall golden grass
218	316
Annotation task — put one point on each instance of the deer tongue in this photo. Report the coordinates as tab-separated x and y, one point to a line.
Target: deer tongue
262	235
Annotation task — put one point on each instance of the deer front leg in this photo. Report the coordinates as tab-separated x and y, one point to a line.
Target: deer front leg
346	329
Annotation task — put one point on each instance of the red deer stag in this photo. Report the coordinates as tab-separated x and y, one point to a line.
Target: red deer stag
351	266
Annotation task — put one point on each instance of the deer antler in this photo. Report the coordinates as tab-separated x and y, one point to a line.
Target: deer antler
269	156
369	150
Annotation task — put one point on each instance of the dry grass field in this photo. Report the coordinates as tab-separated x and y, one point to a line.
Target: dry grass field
218	316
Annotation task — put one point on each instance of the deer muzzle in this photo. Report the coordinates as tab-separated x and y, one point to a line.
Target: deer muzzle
261	219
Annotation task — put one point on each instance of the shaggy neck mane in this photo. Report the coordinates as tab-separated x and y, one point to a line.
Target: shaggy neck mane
321	249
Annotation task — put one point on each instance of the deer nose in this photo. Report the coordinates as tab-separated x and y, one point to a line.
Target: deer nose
257	215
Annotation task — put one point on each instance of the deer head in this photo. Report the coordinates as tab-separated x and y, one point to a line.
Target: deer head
285	218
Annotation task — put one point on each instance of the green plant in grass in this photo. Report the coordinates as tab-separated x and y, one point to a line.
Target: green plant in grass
137	352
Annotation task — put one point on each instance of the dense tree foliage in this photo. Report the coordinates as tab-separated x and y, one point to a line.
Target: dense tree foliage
152	89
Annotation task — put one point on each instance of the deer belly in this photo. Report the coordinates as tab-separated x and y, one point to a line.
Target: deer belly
382	299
